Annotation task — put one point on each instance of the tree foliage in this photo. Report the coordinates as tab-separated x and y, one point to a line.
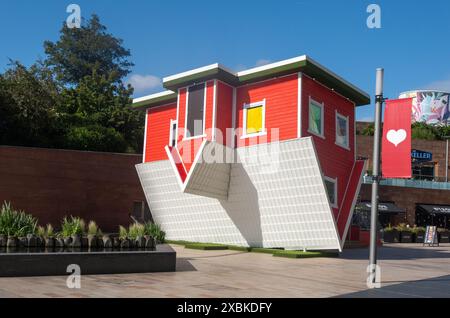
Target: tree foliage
75	98
80	52
419	130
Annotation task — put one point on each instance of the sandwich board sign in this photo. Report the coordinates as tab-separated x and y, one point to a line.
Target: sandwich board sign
431	237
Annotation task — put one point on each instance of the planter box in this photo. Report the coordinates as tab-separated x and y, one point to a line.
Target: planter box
444	237
419	237
163	259
406	237
391	237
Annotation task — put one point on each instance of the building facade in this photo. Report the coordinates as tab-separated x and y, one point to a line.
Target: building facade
422	200
264	157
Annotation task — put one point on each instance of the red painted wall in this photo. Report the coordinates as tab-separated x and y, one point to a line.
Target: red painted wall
158	131
336	162
281	96
224	113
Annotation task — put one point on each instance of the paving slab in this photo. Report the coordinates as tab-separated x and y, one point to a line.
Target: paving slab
407	270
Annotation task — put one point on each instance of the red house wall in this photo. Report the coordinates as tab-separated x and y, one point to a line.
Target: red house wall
224	113
281	96
336	162
158	131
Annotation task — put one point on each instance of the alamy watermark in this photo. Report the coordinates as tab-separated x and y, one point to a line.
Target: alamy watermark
262	149
74	279
374	276
374	19
74	19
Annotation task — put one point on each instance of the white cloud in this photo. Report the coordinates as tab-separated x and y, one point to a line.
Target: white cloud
441	85
143	83
262	62
240	67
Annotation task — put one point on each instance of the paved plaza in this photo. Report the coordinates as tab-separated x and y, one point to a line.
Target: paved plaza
408	270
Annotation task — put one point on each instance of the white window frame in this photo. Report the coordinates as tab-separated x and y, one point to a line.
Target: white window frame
347	119
185	137
334	181
322	123
171	136
245	108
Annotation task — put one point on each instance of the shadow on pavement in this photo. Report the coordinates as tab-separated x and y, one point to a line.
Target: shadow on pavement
398	253
183	265
437	287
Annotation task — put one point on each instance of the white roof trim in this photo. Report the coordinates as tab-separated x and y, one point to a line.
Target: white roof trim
337	76
152	96
197	70
300	59
263	68
272	65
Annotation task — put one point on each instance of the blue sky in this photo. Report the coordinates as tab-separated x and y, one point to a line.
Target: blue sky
167	37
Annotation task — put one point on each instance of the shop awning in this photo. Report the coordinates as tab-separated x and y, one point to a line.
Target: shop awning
383	207
435	209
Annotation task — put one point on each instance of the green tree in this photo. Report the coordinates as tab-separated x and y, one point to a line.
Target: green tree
98	117
28	106
75	98
81	51
424	131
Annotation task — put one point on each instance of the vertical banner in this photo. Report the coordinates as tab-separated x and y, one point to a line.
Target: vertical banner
396	145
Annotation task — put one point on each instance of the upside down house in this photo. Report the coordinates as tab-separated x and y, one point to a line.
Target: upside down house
263	157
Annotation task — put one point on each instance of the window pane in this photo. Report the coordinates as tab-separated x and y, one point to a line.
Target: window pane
330	189
341	131
254	120
196	102
173	141
315	118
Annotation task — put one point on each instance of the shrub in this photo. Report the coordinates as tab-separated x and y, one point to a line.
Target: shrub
40	231
136	230
92	228
369	130
123	233
403	227
49	231
424	132
155	231
417	229
389	228
72	226
16	223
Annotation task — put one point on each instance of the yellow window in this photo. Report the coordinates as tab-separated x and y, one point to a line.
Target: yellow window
254	120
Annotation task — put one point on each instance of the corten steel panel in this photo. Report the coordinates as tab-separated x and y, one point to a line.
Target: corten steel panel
279	200
335	161
158	131
51	184
281	112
